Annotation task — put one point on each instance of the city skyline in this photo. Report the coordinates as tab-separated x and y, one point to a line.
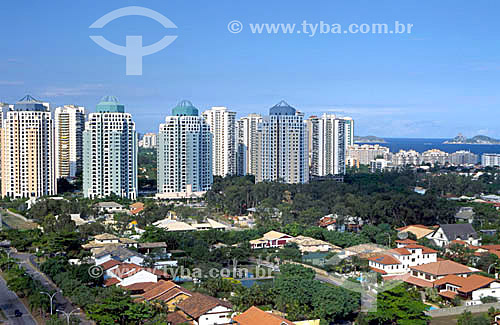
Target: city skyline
423	84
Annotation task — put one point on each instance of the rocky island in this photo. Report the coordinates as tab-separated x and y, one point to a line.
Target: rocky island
368	139
478	139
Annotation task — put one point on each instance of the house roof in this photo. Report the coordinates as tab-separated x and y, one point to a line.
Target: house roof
109	264
156	290
105	205
110	282
138	286
199	304
153	245
468	284
215	224
136	207
385	259
418	282
448	294
459	230
105	236
419	231
443	267
272	235
374	269
254	316
177	318
308	241
118	252
425	250
172	293
400	251
173	225
406	241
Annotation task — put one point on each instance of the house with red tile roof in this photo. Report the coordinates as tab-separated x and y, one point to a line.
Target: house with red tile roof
254	316
206	310
165	293
433	271
471	288
271	239
127	274
399	260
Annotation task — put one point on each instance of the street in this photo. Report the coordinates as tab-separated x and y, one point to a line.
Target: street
9	302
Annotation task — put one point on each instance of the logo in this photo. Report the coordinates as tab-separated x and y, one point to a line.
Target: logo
95	271
133	50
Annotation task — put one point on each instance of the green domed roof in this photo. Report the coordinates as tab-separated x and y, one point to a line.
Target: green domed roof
110	104
185	108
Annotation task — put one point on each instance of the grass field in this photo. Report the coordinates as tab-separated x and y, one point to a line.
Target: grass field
16	223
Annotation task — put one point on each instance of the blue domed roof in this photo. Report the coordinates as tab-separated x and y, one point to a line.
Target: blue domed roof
110	104
185	108
29	103
282	108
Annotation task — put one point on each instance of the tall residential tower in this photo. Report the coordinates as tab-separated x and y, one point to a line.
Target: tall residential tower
222	124
110	152
184	154
284	153
27	150
248	144
69	126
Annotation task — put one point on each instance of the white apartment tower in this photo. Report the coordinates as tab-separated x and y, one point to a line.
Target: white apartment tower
248	144
349	131
184	153
284	153
148	141
327	138
222	124
69	125
110	152
27	150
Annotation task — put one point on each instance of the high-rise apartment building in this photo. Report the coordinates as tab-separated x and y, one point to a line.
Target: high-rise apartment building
248	144
148	141
222	124
69	125
27	150
349	131
110	152
490	160
435	156
406	158
184	154
284	153
327	138
463	157
364	154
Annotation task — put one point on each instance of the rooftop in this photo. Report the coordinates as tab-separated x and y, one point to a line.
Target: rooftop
199	304
254	315
443	267
110	104
282	108
185	108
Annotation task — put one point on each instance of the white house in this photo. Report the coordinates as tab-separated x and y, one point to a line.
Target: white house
109	207
118	253
448	232
271	239
471	288
399	260
206	310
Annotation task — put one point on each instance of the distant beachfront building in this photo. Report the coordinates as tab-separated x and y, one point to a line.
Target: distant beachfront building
222	124
27	150
110	152
69	126
490	160
248	157
435	156
406	158
364	154
327	145
284	151
148	141
184	154
349	131
463	157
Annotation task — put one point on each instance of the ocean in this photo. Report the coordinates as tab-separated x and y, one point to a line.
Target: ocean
421	145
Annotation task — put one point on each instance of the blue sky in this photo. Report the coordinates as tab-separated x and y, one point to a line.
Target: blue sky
441	79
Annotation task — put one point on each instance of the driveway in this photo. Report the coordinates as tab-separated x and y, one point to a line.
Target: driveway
9	302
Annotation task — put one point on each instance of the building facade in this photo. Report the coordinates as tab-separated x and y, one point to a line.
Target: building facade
184	153
327	145
28	151
69	125
490	160
110	152
248	144
284	153
148	141
222	124
349	131
463	157
364	154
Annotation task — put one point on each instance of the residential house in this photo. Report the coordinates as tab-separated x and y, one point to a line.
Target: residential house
308	244
136	208
465	214
471	288
118	253
254	316
419	231
446	233
271	239
104	240
109	207
173	225
167	293
433	271
200	309
400	260
341	223
130	275
209	225
157	247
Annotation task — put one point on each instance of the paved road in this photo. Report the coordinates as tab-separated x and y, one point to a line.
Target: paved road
9	302
60	302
